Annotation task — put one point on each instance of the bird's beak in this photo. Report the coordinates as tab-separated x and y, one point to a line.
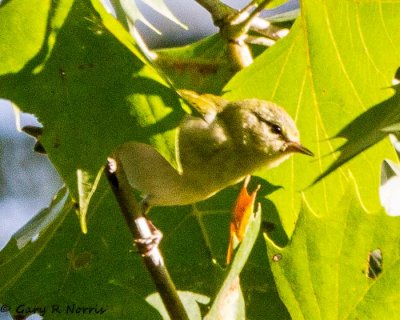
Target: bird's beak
297	147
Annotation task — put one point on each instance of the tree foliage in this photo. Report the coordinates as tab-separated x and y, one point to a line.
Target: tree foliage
80	72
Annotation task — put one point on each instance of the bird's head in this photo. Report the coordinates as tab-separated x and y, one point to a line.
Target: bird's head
263	128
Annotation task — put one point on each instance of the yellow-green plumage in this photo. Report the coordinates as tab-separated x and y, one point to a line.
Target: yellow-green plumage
215	149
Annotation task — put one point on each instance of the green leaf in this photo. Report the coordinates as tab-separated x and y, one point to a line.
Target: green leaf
26	244
39	223
92	90
393	128
201	66
366	130
63	270
63	267
325	271
11	24
229	302
257	284
86	189
326	72
190	300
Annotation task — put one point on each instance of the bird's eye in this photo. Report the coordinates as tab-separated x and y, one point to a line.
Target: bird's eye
275	128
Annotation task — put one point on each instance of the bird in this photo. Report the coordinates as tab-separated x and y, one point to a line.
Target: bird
216	148
220	144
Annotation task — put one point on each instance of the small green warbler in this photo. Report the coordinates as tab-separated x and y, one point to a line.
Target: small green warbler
216	149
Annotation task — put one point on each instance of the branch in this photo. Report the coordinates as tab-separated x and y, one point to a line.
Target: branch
226	18
259	7
141	230
218	10
234	26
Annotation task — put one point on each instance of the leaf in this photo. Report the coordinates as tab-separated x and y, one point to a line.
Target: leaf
161	8
30	240
13	58
393	128
201	66
133	13
366	130
326	72
92	90
86	189
39	223
190	301
256	281
242	213
205	66
288	10
229	302
101	269
321	73
324	272
75	270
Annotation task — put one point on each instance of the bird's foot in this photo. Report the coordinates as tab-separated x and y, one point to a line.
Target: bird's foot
147	245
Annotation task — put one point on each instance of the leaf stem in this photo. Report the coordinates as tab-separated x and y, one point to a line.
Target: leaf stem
141	229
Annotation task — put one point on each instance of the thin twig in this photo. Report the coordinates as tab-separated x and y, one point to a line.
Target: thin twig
251	4
141	230
262	41
255	13
218	10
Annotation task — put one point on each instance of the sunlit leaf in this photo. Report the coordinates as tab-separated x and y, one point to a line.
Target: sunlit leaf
86	188
13	58
229	302
92	90
326	72
367	130
326	271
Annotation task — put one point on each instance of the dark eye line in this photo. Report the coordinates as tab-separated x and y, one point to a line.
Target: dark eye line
276	128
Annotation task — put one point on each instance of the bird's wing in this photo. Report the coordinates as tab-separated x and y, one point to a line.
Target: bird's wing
204	105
